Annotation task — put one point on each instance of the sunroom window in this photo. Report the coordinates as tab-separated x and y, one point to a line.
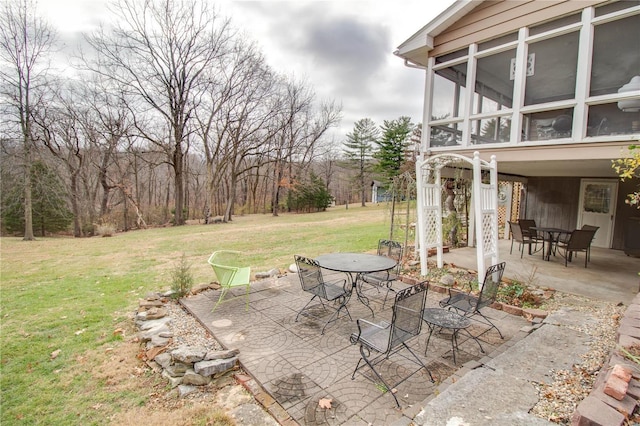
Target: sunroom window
494	83
560	91
552	69
615	70
490	130
616	55
449	85
547	125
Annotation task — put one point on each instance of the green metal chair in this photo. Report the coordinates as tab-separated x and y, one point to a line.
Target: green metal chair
230	274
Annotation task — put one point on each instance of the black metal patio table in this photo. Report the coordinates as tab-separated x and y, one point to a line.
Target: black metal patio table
444	318
354	264
550	236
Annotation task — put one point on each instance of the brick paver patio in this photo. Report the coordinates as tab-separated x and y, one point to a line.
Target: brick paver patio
295	366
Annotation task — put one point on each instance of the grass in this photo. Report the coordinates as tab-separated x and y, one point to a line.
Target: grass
76	295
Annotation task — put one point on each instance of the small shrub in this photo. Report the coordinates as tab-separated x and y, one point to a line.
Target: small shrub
106	229
181	278
517	294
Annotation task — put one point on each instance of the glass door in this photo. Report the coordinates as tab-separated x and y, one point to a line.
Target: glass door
597	208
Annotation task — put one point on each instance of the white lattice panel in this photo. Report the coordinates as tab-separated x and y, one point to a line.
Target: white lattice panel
488	243
431	227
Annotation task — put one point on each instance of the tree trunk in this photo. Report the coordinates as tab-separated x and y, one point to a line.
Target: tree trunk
178	159
77	230
28	213
275	198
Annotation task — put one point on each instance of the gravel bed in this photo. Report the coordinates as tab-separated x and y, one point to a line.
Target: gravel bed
187	330
559	400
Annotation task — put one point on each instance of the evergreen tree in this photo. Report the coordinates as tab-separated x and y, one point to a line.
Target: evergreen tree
392	146
311	195
358	150
48	197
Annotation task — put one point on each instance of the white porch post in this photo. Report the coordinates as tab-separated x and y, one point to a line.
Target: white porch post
494	209
420	231
477	216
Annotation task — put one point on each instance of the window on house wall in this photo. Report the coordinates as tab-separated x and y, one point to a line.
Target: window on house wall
555	24
449	93
446	134
548	125
615	69
496	42
616	55
550	78
449	85
490	130
615	7
494	83
552	69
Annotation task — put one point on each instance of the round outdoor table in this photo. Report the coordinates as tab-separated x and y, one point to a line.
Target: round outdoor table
551	236
354	264
444	318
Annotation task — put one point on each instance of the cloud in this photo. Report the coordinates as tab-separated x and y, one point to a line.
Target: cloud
342	48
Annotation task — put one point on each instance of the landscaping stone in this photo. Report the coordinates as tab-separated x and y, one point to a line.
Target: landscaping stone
163	359
448	280
149	324
185	366
215	366
188	354
184	390
192	378
221	354
178	369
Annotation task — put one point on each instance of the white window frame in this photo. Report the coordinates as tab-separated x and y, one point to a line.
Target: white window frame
580	103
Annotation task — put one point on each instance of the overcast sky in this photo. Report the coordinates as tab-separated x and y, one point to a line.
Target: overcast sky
342	48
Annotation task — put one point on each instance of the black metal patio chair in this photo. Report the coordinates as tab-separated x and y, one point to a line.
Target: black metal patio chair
518	236
469	305
593	229
385	279
379	341
579	241
311	280
528	230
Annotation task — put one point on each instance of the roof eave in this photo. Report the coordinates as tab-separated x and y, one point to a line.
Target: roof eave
422	40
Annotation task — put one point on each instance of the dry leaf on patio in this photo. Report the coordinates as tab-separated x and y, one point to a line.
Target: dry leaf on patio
325	403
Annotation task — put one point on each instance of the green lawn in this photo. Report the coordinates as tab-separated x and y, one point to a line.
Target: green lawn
69	295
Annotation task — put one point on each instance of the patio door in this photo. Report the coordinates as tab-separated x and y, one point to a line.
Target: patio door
597	207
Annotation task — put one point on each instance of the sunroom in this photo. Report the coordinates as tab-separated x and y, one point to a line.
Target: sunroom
551	88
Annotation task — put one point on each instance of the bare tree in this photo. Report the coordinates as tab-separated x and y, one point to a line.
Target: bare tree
60	131
25	42
236	120
301	133
161	49
105	125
